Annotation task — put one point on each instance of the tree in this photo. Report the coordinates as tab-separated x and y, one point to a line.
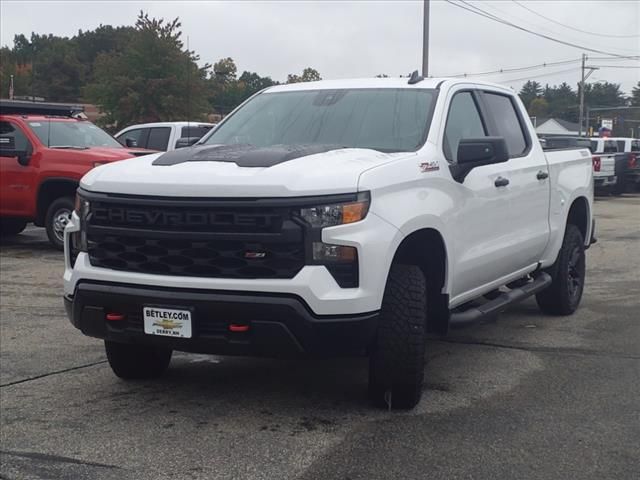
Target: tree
635	96
603	94
153	79
308	75
529	92
538	107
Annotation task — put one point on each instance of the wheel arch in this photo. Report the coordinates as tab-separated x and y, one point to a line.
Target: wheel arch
579	214
427	249
48	191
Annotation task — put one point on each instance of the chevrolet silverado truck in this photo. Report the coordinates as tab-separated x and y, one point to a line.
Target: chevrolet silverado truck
608	167
628	152
347	217
44	151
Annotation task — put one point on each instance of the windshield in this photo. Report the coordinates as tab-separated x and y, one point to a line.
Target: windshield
389	120
74	134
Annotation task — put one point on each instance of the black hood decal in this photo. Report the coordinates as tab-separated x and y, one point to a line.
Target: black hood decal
241	155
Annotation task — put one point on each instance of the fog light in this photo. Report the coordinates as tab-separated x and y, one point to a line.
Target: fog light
324	252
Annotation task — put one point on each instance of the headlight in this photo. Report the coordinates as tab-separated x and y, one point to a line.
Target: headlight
79	239
337	214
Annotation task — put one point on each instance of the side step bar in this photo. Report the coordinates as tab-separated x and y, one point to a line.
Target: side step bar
497	305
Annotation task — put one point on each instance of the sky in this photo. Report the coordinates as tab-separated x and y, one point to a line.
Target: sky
346	39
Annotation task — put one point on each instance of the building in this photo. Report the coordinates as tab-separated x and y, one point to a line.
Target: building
556	126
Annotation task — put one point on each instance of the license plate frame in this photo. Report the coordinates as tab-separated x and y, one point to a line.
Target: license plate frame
167	321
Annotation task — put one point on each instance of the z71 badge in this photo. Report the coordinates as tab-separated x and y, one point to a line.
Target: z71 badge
429	166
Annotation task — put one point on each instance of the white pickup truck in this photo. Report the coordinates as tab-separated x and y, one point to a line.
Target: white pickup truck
331	218
604	165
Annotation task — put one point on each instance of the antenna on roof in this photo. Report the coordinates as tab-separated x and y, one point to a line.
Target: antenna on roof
415	78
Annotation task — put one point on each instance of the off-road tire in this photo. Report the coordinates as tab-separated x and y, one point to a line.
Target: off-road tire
563	296
58	208
396	359
137	362
11	226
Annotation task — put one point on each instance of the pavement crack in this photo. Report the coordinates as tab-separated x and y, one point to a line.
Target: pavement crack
551	350
48	374
57	459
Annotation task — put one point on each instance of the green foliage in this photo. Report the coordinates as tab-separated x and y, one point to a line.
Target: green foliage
635	96
308	75
529	92
538	107
152	79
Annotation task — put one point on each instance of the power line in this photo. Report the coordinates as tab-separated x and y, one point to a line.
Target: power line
516	69
616	66
570	27
549	74
483	13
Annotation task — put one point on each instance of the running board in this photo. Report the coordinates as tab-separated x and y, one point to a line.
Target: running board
497	305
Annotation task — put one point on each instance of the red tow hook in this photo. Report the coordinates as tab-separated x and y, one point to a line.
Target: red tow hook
234	327
115	317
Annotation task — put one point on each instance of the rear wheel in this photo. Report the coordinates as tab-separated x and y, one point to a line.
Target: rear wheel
57	217
568	274
11	226
396	361
130	361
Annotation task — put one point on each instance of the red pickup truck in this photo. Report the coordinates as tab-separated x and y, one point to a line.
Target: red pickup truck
45	149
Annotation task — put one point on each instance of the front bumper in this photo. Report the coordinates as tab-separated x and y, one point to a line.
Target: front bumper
279	325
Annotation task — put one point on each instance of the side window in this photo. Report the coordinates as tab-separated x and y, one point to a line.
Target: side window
463	121
594	146
504	114
12	137
620	145
635	146
159	138
135	138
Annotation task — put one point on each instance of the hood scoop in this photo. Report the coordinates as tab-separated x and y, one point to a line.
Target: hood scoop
242	155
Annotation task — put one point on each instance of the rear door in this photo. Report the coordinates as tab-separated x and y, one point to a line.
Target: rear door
528	176
159	138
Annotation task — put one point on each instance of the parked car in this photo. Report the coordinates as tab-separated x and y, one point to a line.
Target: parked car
605	148
44	151
628	151
604	166
346	217
164	136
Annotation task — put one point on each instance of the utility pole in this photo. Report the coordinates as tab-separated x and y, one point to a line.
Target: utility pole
585	75
425	40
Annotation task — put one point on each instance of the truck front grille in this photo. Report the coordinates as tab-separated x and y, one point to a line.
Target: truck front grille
200	239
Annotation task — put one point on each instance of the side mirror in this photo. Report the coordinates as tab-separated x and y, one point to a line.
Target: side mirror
186	142
23	156
476	152
130	143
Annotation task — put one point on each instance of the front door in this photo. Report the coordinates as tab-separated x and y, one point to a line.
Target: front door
15	179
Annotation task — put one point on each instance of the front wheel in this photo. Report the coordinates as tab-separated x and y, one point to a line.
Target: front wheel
396	361
57	217
130	361
563	296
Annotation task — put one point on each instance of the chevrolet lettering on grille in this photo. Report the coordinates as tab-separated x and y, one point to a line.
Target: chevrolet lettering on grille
138	217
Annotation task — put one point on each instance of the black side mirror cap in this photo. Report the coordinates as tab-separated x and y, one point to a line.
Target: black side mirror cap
476	152
23	156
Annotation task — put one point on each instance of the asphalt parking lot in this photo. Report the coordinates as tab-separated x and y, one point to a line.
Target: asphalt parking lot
523	396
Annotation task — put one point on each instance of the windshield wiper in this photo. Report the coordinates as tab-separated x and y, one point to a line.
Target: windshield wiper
69	147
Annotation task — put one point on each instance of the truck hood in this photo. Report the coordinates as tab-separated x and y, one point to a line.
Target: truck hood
101	154
326	172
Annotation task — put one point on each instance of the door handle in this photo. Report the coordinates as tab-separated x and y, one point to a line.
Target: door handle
541	175
501	182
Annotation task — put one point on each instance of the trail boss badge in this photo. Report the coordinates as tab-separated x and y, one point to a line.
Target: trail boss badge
429	166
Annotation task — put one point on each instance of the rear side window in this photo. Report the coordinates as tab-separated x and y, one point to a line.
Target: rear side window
620	145
159	138
463	121
508	123
635	146
194	131
610	147
12	138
